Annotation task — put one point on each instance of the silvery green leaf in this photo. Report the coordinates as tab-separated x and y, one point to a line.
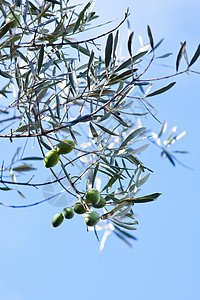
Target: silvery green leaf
5	189
132	136
47	65
110	183
5	75
180	54
72	77
58	106
53	1
162	90
130	43
52	115
122	238
195	57
115	45
23	168
164	56
5	29
147	198
108	50
17	77
120	120
121	224
25	10
163	129
106	130
143	180
32	158
126	233
164	152
135	161
139	150
93	131
81	16
44	144
80	48
94	174
40	59
150	37
134	59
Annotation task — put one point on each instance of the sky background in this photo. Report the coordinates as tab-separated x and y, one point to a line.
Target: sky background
38	261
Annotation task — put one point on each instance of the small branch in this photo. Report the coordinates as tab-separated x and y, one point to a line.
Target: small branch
78	42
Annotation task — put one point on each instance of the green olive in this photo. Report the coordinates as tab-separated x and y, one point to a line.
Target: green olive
10	18
63	148
101	203
57	220
92	196
51	158
79	208
91	218
68	213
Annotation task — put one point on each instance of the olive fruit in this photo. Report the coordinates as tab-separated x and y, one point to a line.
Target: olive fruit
51	158
63	148
57	220
79	208
91	218
92	196
68	213
10	18
101	203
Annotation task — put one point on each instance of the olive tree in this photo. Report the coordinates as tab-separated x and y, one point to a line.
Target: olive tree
83	108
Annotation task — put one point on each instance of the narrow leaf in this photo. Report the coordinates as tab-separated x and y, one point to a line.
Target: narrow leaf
5	75
44	144
58	106
123	239
168	156
140	149
132	60
81	16
53	1
180	54
93	131
25	10
40	59
106	130
24	168
5	29
110	183
130	43
132	135
164	56
147	198
195	57
5	189
108	50
32	158
115	45
123	225
150	37
163	129
126	233
162	90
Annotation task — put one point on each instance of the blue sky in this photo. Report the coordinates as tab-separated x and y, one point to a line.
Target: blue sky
41	262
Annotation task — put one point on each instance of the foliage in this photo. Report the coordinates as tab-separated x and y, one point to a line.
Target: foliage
65	89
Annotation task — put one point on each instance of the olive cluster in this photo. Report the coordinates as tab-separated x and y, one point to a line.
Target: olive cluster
52	157
91	218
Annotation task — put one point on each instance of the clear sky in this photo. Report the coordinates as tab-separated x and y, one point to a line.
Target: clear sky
41	262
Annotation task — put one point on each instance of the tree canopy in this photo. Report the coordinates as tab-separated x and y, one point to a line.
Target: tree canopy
84	110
